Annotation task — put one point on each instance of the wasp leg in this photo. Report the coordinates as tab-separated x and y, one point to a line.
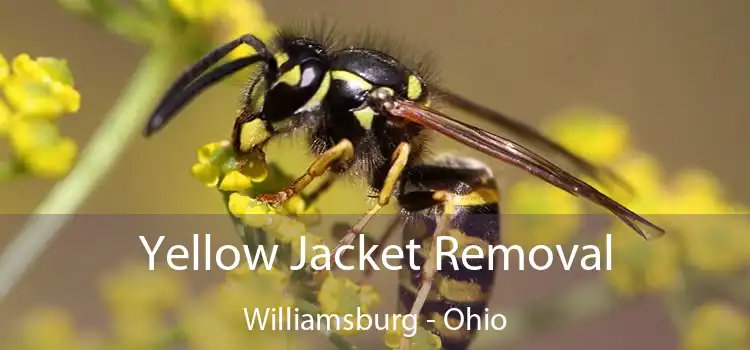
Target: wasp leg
315	194
395	223
430	265
342	152
400	157
313	219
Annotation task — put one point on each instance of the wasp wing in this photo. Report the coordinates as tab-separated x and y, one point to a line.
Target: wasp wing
517	155
529	133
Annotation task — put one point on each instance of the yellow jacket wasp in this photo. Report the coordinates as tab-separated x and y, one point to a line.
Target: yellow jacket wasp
367	113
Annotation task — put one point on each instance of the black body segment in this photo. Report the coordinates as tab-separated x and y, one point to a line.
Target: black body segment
476	222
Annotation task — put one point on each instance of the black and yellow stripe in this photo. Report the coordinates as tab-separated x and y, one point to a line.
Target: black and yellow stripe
476	221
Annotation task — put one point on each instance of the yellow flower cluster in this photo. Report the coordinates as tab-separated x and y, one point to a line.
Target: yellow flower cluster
341	296
643	268
716	325
216	167
216	321
153	310
137	300
36	93
51	329
704	230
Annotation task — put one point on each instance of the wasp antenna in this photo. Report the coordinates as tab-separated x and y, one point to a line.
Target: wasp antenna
170	107
186	87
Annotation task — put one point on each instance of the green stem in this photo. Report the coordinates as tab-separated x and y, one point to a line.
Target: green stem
97	159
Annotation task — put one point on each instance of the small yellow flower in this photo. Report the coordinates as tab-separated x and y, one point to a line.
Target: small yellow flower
53	161
640	266
276	276
259	215
207	152
27	135
341	296
252	212
39	99
239	204
205	173
45	69
215	161
294	205
138	328
715	243
714	237
49	329
696	192
235	181
41	88
39	145
213	323
716	325
6	118
273	278
210	159
199	10
134	287
422	339
238	274
4	69
297	207
540	214
597	136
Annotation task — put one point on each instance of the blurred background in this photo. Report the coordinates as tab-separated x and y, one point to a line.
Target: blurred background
675	71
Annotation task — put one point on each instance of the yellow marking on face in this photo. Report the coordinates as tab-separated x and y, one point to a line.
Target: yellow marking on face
253	134
365	117
320	94
291	77
414	88
480	196
281	58
351	78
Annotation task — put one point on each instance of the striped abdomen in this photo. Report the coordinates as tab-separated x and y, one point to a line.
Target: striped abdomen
457	291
